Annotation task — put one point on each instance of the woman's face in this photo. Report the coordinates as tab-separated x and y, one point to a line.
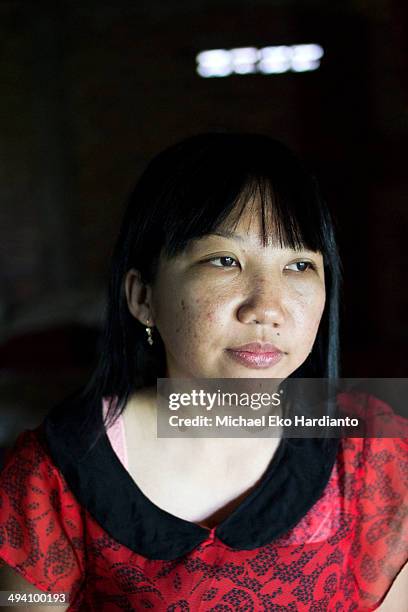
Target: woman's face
229	307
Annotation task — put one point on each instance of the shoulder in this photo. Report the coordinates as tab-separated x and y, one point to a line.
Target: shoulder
29	464
378	418
41	524
374	465
28	472
374	472
382	446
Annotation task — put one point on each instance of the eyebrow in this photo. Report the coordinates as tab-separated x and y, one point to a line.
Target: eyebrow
233	236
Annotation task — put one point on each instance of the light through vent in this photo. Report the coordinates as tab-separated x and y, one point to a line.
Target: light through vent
267	60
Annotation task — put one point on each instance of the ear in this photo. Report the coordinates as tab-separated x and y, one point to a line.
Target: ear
138	296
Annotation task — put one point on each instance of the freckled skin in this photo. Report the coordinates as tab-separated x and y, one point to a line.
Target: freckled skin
202	308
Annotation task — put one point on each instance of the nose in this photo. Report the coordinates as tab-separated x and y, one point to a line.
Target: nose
264	306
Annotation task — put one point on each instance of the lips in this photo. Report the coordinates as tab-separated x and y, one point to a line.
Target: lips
257	347
256	355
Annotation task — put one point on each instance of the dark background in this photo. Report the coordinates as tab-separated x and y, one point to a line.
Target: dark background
91	91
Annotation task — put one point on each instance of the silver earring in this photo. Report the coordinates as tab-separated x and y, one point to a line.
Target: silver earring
149	333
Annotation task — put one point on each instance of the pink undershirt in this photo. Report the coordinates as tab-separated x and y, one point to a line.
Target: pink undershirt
117	438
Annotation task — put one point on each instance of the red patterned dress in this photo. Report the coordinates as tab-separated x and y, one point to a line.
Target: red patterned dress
326	529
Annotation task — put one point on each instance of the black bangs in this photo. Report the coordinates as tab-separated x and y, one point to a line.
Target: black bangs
215	178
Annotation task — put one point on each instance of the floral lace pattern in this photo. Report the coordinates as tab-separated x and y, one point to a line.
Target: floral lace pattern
342	556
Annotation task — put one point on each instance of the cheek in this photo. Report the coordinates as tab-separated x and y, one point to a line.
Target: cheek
188	318
203	314
308	311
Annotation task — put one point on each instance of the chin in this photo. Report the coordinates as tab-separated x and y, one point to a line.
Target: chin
253	373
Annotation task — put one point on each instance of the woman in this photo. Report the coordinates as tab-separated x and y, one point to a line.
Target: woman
226	266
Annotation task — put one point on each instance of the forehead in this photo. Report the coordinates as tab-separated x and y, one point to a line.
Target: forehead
245	217
253	222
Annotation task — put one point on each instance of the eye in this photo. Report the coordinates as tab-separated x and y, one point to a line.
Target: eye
223	262
301	266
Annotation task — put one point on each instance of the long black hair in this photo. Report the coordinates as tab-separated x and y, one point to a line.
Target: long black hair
187	191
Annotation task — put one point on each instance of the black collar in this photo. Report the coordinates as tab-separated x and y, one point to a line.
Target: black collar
293	482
